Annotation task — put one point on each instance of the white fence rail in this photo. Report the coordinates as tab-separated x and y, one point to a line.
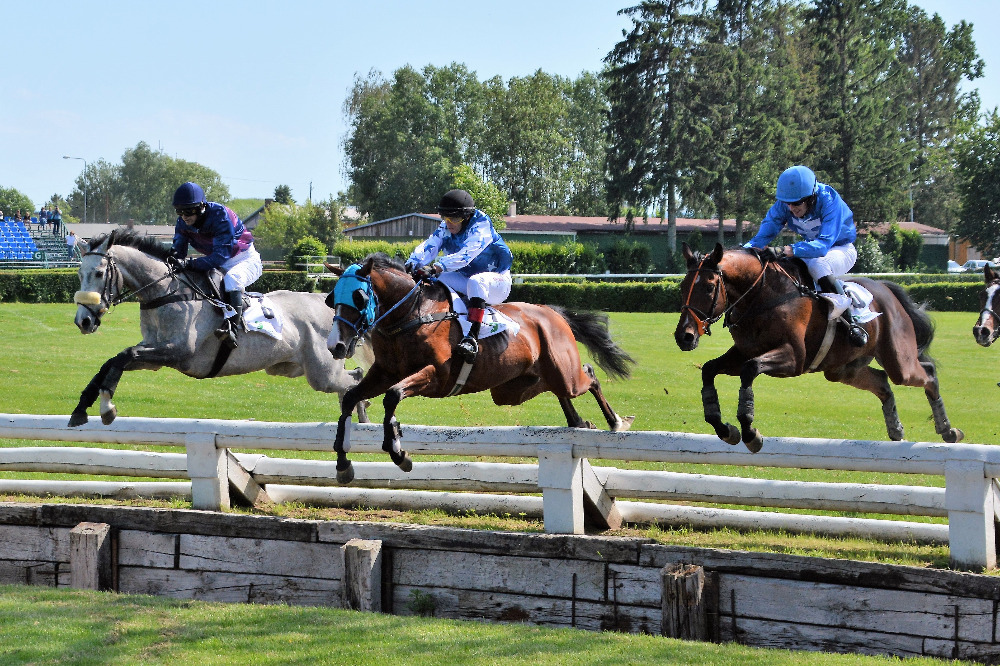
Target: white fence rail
569	485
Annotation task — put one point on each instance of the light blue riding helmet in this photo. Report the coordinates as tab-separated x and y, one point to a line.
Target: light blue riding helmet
795	183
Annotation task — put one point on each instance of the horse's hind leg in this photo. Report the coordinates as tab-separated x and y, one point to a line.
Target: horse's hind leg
615	423
875	381
942	425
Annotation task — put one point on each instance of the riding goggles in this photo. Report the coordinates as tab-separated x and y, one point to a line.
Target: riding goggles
189	211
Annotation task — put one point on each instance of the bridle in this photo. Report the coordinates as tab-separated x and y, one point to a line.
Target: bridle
704	320
368	322
114	282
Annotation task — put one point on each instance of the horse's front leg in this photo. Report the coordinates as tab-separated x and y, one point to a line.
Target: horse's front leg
779	362
105	382
415	384
728	364
373	383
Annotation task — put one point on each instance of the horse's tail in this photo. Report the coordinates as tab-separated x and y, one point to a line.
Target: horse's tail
923	325
591	328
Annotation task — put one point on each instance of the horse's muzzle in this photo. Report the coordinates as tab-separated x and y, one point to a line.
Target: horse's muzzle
984	336
686	340
340	350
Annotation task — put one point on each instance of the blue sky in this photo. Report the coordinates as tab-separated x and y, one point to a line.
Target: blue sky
254	90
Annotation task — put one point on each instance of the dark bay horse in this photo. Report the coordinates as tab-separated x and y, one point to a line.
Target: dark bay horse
987	327
779	329
177	318
414	331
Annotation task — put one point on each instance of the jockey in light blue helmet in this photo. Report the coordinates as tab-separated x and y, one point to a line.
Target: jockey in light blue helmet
815	211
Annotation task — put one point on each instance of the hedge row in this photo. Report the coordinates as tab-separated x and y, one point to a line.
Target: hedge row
59	285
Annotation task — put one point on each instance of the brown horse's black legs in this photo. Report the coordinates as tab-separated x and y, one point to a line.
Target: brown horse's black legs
393	432
745	410
710	402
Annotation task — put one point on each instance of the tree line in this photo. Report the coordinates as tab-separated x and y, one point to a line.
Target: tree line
699	107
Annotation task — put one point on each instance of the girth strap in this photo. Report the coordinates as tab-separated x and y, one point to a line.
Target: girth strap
220	360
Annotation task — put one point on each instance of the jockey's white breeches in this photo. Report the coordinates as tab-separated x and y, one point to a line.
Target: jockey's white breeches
494	288
242	270
839	260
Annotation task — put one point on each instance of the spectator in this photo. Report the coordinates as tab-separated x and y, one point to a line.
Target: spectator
56	220
17	215
70	244
43	218
1	215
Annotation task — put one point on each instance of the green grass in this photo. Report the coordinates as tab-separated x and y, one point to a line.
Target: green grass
46	363
58	626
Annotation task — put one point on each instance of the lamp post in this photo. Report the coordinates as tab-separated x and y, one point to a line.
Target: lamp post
67	157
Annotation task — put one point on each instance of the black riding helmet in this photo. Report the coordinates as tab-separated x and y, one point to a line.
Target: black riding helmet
457	203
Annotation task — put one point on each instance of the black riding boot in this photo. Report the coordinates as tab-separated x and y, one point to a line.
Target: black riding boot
227	332
856	334
468	347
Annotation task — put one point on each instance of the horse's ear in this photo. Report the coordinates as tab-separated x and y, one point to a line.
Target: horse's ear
360	299
336	270
366	270
717	253
989	274
690	256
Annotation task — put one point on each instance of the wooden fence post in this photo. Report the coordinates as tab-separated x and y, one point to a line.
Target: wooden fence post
560	476
684	607
90	556
969	498
362	582
209	472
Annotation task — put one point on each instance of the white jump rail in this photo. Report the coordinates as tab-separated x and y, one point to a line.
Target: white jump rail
969	499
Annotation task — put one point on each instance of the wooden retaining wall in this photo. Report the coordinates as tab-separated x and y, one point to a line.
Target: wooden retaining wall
592	583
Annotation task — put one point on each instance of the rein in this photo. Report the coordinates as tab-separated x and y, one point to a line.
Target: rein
115	274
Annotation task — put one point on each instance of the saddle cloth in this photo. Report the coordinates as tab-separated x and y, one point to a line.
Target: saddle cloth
857	298
263	316
494	321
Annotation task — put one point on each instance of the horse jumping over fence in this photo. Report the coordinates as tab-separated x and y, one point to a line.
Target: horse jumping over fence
414	330
779	328
987	327
178	315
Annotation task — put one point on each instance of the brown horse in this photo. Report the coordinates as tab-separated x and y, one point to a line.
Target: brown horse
414	330
987	327
779	327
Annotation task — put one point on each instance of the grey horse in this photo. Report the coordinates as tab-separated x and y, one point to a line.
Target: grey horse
178	316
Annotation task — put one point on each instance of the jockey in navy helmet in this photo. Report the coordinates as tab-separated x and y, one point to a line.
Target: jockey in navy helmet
218	233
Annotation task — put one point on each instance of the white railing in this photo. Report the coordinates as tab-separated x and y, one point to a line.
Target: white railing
563	474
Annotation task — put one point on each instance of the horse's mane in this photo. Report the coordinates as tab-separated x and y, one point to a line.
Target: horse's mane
128	237
382	260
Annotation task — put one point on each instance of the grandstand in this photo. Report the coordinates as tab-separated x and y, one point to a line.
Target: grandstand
23	245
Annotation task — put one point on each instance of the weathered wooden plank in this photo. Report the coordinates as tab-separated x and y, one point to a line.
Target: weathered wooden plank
601	549
177	521
987	653
635	585
893	611
33	572
148	549
491	573
765	633
827	570
282	558
545	611
90	556
21	542
231	587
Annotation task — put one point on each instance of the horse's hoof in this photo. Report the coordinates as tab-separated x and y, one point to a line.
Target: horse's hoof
108	417
77	419
406	464
756	443
734	435
954	436
624	423
346	475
